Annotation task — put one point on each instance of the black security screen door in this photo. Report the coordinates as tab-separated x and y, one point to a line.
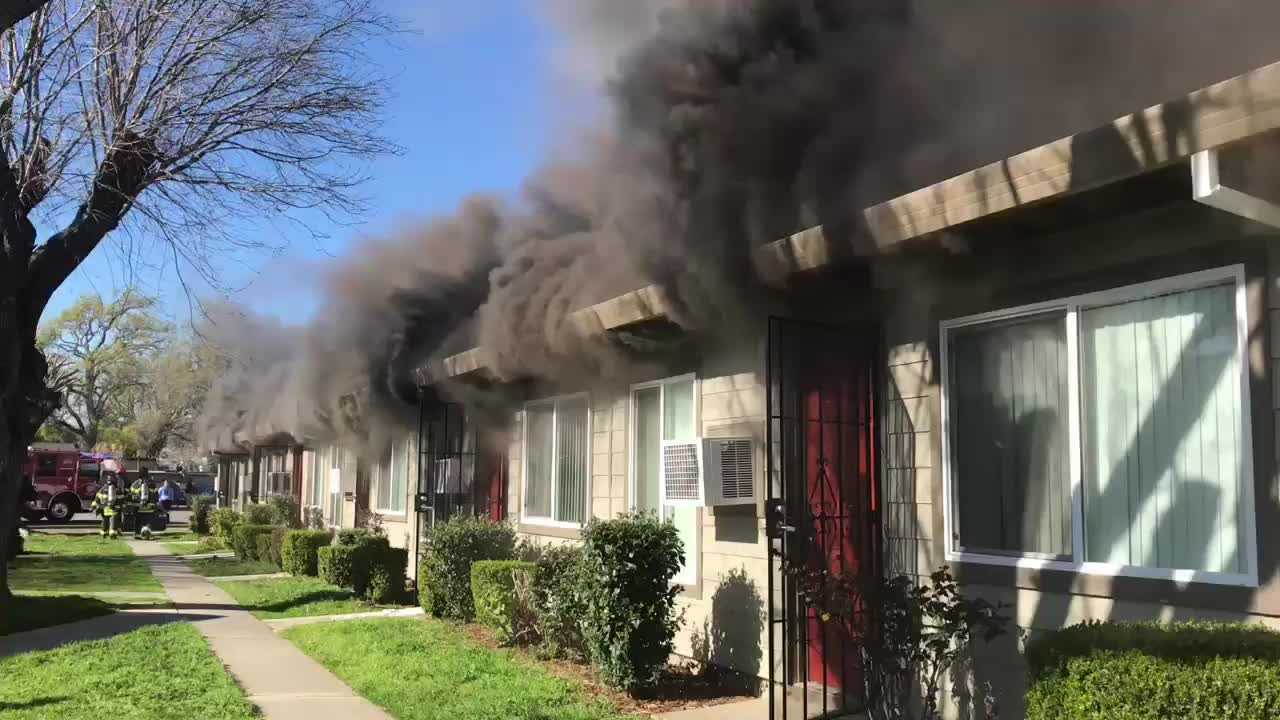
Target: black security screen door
822	510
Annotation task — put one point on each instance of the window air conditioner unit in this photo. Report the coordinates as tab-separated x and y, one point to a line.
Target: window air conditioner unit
710	471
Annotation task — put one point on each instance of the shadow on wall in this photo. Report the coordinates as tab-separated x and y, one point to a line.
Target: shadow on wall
731	638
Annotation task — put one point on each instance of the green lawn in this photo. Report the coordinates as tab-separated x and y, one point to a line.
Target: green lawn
80	563
288	597
428	670
157	673
30	612
196	549
227	567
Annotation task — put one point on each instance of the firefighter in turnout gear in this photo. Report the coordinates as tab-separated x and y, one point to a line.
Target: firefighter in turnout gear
144	496
108	503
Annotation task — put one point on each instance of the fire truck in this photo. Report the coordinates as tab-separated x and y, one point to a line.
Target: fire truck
65	481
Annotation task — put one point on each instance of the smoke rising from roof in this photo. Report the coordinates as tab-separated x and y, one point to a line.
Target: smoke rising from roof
734	123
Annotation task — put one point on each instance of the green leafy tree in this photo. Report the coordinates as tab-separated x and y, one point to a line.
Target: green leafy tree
100	356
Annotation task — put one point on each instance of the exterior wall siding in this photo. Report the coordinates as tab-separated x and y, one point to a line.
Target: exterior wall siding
1167	243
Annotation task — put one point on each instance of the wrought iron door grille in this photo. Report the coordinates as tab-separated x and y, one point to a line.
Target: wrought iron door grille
823	464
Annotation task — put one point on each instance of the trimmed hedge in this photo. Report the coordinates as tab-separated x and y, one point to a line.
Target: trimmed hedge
444	579
299	553
223	522
285	511
557	603
629	621
259	514
335	564
201	509
386	574
355	536
276	547
501	592
264	547
351	566
244	540
1189	671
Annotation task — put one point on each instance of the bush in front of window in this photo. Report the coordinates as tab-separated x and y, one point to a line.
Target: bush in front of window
1190	671
201	508
259	514
629	620
223	521
276	546
299	554
285	511
444	578
556	601
387	566
502	591
264	547
244	540
350	565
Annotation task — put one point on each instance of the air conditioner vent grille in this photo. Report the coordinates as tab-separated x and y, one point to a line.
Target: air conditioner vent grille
681	472
736	470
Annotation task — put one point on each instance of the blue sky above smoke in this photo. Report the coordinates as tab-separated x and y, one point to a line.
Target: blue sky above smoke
475	104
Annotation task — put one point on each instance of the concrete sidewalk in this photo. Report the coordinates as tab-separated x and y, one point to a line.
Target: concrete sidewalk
279	678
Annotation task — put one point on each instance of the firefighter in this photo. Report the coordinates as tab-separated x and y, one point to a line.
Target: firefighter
108	503
146	506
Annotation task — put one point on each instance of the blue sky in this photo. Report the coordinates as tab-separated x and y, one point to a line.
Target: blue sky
475	107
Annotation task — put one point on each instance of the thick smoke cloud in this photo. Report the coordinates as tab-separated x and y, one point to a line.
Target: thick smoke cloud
733	123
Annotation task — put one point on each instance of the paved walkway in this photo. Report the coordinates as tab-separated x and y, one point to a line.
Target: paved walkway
279	678
286	623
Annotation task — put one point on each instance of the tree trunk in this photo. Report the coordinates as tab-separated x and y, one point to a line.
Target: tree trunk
24	404
10	472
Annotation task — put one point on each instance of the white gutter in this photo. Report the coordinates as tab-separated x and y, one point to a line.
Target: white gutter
1207	188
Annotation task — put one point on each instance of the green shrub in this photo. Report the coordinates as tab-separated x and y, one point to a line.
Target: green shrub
628	601
276	548
1189	671
556	601
285	511
355	536
201	507
501	591
223	521
300	549
244	540
345	566
386	574
263	543
444	579
350	566
258	514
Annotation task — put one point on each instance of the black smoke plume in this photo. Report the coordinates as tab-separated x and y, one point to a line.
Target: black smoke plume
732	123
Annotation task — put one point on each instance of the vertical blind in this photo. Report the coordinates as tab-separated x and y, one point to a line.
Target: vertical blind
540	463
1010	436
1162	432
573	466
648	440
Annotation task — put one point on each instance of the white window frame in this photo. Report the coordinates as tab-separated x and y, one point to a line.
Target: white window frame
526	518
1072	306
335	497
382	474
695	554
